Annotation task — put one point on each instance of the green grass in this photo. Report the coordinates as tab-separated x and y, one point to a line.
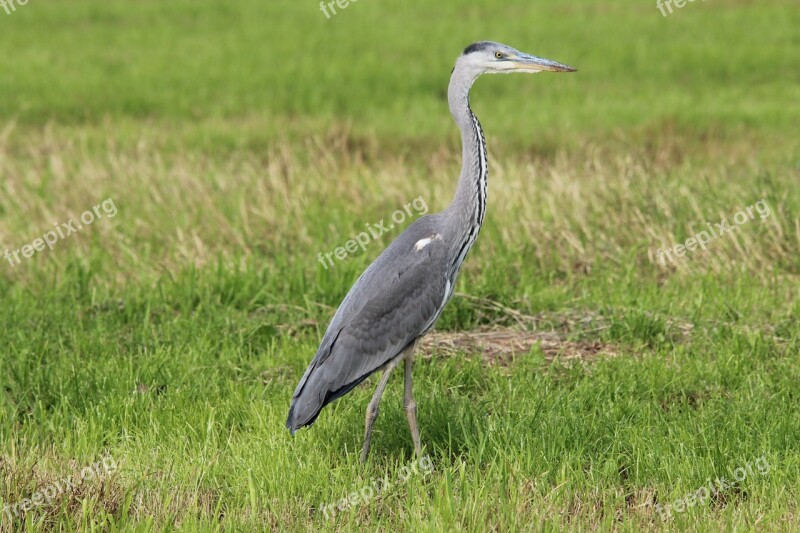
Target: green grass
714	68
239	140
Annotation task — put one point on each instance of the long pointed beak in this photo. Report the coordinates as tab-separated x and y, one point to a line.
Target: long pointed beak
529	63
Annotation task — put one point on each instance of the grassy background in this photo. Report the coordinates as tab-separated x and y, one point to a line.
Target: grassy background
238	140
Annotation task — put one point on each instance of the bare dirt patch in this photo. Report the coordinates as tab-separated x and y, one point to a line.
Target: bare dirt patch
502	345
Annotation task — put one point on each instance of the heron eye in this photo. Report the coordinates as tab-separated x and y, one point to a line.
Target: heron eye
498	55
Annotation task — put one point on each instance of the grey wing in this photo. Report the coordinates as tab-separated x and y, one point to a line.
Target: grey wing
395	301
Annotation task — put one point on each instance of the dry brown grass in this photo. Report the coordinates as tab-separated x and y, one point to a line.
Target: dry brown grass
49	473
571	212
502	345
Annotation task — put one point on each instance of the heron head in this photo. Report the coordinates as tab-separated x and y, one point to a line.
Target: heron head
495	58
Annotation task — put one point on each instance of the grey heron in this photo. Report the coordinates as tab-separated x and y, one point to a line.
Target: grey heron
401	294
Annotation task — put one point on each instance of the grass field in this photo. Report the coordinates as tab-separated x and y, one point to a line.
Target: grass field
578	380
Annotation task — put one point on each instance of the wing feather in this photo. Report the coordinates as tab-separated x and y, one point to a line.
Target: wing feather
389	306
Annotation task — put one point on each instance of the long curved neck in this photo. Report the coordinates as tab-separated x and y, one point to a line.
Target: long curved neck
468	207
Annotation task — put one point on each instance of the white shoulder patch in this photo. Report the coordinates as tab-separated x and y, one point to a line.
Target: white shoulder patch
422	243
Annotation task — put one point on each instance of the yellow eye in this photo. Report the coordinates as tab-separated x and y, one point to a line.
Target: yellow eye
498	55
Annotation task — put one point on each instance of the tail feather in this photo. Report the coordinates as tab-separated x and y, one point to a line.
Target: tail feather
302	413
290	421
308	402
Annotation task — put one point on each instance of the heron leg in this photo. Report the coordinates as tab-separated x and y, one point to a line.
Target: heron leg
408	401
372	408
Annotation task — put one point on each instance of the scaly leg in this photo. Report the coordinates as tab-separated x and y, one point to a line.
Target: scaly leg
408	400
372	408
